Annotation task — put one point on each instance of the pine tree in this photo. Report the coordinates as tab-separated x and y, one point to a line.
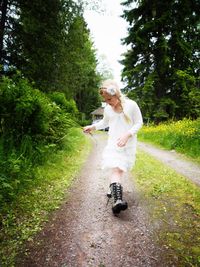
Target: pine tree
163	39
82	77
38	48
8	11
3	10
49	43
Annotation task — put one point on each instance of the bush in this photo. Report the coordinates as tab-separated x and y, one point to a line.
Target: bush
68	106
31	127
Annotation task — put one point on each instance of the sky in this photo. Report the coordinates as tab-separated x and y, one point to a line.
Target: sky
107	28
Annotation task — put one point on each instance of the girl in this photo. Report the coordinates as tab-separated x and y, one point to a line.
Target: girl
123	117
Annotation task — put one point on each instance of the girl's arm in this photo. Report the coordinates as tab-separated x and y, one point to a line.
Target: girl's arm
137	119
102	124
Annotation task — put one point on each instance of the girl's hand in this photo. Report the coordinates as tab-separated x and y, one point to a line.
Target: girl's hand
88	129
123	139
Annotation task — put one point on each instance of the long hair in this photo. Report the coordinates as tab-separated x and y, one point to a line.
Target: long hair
110	87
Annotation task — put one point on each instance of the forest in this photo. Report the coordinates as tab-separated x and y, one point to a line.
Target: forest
161	66
49	79
48	84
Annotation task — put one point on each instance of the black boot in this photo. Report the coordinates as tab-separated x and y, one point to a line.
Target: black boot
117	194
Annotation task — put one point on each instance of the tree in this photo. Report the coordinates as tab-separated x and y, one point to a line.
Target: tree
48	41
38	46
7	13
163	39
81	64
4	6
104	69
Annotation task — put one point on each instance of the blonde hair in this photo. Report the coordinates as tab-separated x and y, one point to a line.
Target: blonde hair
113	84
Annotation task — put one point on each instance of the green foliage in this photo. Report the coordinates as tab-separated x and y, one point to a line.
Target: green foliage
82	78
69	106
49	43
25	216
37	41
27	111
32	127
183	136
173	204
104	68
190	94
161	66
85	122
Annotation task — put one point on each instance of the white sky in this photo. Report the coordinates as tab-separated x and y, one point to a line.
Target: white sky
107	28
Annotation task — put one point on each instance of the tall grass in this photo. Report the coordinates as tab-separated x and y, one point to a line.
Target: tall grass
24	216
183	136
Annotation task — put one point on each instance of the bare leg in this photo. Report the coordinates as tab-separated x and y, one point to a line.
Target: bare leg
116	175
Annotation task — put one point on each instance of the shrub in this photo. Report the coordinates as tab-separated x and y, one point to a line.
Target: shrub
68	106
31	127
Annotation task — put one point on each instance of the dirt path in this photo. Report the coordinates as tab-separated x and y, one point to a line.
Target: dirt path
84	231
175	161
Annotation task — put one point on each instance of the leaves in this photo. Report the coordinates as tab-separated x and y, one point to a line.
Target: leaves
24	217
32	127
162	40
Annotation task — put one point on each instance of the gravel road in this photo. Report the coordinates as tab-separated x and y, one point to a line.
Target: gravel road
175	161
84	232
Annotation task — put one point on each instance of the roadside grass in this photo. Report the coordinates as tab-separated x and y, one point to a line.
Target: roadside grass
26	215
183	136
173	205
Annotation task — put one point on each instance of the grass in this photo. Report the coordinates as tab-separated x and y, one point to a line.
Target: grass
26	215
173	203
183	136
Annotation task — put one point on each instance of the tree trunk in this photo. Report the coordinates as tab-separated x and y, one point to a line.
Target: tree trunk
3	6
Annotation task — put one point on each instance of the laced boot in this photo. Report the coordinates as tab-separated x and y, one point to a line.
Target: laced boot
117	194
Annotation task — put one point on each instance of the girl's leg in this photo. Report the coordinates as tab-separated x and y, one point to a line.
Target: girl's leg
116	175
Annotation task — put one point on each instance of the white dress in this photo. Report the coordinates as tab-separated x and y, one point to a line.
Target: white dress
114	156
